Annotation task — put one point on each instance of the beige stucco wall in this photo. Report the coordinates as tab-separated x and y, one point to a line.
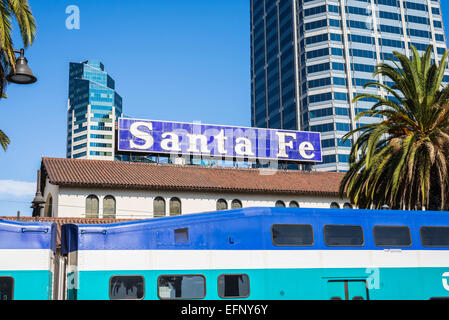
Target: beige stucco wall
138	204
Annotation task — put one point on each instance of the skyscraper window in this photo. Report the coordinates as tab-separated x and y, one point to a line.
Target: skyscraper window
290	78
94	107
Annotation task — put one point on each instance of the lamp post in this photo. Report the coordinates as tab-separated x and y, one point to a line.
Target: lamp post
39	202
22	73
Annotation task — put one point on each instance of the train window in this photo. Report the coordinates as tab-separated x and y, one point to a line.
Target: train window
343	236
392	236
233	286
292	234
435	236
126	288
6	288
182	235
181	287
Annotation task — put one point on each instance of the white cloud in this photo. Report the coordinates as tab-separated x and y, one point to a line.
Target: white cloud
17	188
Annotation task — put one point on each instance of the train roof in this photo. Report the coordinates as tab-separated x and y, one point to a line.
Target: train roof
137	235
27	235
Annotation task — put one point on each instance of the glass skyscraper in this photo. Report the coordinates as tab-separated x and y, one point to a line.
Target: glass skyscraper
93	109
309	58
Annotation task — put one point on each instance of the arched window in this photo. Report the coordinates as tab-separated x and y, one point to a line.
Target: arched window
293	204
335	205
347	205
48	212
236	204
222	204
158	207
92	206
175	207
109	207
280	204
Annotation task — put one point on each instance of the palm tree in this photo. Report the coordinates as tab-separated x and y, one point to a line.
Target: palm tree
403	161
20	10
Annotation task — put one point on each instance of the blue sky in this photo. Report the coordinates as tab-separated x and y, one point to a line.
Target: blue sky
172	60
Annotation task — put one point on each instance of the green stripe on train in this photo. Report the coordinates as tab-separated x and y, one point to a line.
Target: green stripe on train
30	285
294	284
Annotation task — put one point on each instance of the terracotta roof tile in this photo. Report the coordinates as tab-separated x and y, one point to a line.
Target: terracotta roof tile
126	175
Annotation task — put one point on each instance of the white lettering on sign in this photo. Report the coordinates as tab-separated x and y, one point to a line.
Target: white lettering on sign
221	142
283	145
243	147
172	143
193	146
305	148
153	137
134	129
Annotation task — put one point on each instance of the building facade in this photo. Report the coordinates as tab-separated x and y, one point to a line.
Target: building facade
93	109
309	58
77	188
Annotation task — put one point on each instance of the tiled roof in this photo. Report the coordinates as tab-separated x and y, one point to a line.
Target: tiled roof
149	176
60	221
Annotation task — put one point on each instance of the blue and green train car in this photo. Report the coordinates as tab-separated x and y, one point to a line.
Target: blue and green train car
263	254
27	252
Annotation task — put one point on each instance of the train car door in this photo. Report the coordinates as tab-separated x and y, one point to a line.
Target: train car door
347	290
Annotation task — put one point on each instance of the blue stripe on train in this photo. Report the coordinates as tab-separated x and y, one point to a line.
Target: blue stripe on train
242	229
27	235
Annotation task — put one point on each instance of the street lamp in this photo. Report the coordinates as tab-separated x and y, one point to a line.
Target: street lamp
22	73
39	202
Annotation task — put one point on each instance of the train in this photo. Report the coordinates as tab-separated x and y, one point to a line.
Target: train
27	253
240	254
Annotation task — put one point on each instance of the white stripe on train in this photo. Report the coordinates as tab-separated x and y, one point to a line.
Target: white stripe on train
273	259
25	259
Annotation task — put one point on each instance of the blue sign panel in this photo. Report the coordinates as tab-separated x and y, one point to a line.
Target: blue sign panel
162	137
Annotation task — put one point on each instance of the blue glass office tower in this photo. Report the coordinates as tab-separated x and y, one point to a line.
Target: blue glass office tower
93	109
309	58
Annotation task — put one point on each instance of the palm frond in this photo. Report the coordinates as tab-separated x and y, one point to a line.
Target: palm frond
4	140
402	161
